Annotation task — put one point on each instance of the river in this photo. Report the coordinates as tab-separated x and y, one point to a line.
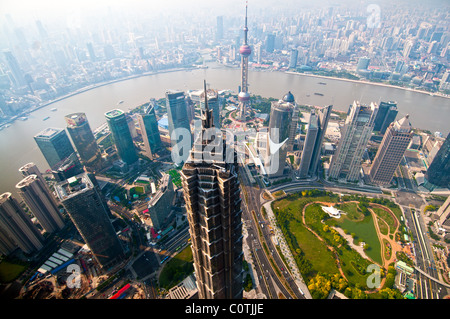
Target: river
17	146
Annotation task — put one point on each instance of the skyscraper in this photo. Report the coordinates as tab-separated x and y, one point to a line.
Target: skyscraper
387	112
177	114
391	151
213	104
17	225
439	171
41	203
212	195
54	145
293	58
244	97
219	28
118	126
82	137
148	124
324	116
87	208
279	132
159	206
16	71
346	162
308	146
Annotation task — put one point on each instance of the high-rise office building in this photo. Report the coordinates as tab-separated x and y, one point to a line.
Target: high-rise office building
219	28
289	98
270	42
151	137
87	208
387	112
17	225
41	202
159	206
308	146
118	126
293	58
82	137
391	151
16	71
324	116
177	114
346	162
363	63
279	132
213	104
244	97
439	171
212	195
54	145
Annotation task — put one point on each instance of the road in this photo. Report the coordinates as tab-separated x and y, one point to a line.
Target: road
268	276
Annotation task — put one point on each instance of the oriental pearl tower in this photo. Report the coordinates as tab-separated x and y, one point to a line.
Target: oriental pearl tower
244	96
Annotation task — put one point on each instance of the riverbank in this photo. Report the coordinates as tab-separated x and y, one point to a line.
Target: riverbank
88	88
437	94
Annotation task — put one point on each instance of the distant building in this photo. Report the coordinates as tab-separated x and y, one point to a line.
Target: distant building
120	131
16	71
54	145
86	206
148	124
346	162
270	43
363	63
219	28
41	203
439	171
16	226
159	207
391	151
82	137
293	58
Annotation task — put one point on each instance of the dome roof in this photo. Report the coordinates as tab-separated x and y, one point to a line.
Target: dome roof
289	97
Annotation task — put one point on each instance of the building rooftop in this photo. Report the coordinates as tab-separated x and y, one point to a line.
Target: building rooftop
114	113
73	186
48	133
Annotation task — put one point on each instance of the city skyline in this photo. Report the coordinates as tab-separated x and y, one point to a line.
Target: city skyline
222	193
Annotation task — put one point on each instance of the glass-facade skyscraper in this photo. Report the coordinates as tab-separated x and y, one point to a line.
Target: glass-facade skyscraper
120	131
87	208
54	145
82	137
151	137
346	162
176	114
439	171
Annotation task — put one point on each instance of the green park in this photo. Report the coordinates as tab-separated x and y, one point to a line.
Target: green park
335	252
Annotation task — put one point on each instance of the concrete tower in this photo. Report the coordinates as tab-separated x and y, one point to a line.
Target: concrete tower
244	96
17	225
346	162
41	202
391	150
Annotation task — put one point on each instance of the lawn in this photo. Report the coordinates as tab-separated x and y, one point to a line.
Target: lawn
176	178
177	268
10	271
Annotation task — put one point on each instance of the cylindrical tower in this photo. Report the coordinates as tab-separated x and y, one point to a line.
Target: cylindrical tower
244	97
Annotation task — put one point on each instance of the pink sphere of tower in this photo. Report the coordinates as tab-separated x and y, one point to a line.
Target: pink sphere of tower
244	96
245	50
